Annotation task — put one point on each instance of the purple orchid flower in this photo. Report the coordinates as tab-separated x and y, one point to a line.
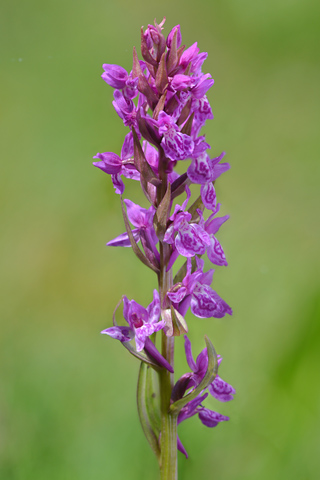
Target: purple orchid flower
116	166
191	238
176	145
219	389
195	292
209	418
211	226
202	112
204	170
126	109
143	322
118	78
142	219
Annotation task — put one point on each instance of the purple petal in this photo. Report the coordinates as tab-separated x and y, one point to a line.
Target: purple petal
202	364
110	162
208	196
202	87
145	331
181	447
199	169
130	171
114	75
219	170
215	252
177	293
189	54
206	303
197	62
169	235
123	239
180	82
117	183
177	145
124	334
221	390
212	224
192	240
137	315
171	34
210	418
202	109
191	408
154	308
188	350
127	147
137	215
151	349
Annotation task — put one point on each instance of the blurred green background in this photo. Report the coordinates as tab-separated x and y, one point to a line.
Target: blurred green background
67	393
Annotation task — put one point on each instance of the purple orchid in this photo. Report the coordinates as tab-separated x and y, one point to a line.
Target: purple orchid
191	238
141	218
163	101
116	166
143	322
211	226
195	291
219	389
176	145
204	170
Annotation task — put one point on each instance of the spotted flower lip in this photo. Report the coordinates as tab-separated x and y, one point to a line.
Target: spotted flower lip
203	169
195	292
176	145
191	238
143	322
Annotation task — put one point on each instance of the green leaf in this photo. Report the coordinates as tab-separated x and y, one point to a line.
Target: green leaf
142	393
210	375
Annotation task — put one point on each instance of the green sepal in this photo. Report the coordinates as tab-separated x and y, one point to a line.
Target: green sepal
161	216
182	272
161	79
141	163
160	106
172	59
178	323
197	205
210	375
142	399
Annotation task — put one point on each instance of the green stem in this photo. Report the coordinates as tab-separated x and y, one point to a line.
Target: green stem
168	441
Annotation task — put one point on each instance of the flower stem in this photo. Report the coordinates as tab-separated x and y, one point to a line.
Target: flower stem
168	441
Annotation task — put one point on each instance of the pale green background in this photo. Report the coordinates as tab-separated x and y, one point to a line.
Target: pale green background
67	399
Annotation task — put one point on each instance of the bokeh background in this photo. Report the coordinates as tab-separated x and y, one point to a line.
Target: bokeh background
67	398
